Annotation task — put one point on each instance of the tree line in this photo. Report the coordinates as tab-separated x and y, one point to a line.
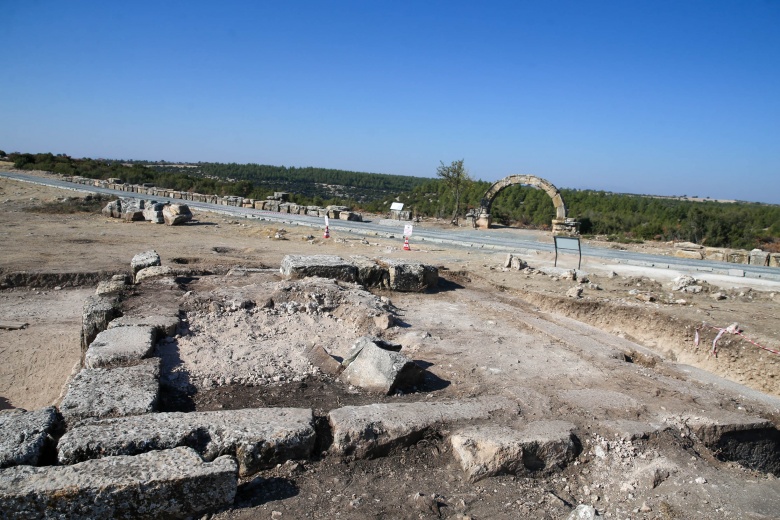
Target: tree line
620	217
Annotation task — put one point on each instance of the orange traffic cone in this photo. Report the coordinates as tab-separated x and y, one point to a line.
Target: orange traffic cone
406	244
327	233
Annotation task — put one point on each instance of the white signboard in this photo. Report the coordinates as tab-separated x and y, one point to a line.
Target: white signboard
408	230
326	221
396	206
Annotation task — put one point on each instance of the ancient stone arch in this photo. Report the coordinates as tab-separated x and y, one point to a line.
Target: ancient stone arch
560	223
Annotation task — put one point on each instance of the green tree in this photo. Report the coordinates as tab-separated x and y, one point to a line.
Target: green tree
457	178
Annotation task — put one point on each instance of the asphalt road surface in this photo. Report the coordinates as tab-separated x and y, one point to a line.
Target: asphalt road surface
500	240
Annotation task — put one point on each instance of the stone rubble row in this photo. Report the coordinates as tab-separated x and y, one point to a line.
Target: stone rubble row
134	210
397	275
271	204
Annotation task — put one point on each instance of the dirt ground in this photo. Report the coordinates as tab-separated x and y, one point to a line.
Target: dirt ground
486	330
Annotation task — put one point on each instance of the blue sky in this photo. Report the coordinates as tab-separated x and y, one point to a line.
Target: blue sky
657	97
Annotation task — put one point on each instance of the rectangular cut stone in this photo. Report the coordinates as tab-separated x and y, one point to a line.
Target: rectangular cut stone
374	429
25	437
98	311
758	257
410	276
112	392
120	346
485	451
738	257
324	266
370	274
163	325
715	254
160	484
257	437
692	255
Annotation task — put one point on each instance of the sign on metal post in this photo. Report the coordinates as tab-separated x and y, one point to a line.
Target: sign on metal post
408	228
568	244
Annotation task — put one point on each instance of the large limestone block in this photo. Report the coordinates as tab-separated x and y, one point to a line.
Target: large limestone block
370	274
716	254
324	266
258	438
144	260
120	346
155	271
163	325
113	209
774	260
410	276
26	437
758	257
374	429
382	371
154	213
116	284
485	451
691	255
96	314
176	214
160	484
738	257
112	392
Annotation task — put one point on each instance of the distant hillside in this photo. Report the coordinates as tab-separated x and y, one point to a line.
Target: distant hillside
621	217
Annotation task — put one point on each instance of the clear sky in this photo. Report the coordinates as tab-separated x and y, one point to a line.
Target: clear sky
658	97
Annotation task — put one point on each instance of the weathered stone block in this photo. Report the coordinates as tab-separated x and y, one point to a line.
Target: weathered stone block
257	437
686	253
153	272
120	346
774	260
144	260
176	214
26	437
485	451
369	273
160	484
410	276
318	357
324	266
382	371
114	392
375	429
97	312
718	255
117	284
163	325
759	257
153	213
738	257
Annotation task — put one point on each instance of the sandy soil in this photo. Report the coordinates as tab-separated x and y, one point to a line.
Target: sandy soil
486	330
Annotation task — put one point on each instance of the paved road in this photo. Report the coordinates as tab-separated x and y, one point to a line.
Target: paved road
500	240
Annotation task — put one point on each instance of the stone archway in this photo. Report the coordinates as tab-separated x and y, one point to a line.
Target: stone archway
560	224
